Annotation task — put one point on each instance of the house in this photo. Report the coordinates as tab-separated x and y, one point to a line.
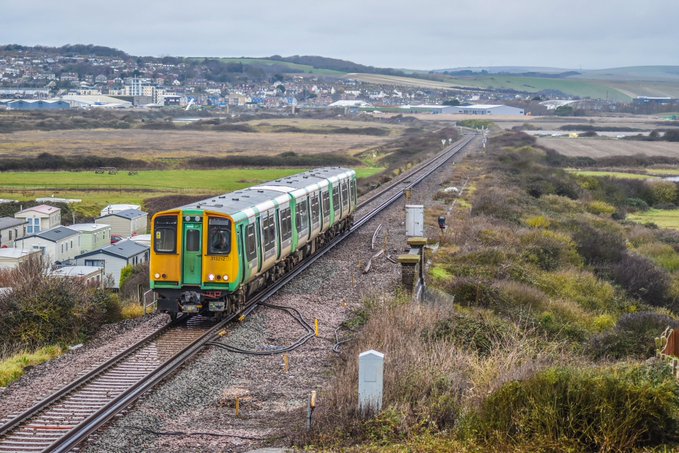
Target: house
11	229
125	223
89	275
114	258
40	218
116	208
59	244
12	257
93	236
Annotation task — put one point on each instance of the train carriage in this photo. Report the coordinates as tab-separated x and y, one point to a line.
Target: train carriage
210	256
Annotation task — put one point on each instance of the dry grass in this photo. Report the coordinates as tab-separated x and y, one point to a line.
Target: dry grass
597	148
430	379
177	144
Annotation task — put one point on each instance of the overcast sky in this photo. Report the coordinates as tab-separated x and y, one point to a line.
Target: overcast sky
418	34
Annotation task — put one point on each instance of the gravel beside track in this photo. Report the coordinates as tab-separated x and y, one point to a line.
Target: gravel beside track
194	410
42	380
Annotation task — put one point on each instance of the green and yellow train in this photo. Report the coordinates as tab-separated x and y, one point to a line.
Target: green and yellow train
209	257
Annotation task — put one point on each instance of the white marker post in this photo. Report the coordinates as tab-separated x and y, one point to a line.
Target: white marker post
370	381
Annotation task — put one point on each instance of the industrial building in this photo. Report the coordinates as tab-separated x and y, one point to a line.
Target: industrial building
36	104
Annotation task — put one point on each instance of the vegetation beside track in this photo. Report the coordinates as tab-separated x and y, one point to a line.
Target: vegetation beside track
546	306
43	310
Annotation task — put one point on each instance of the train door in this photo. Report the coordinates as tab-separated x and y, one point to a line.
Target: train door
260	249
251	249
193	267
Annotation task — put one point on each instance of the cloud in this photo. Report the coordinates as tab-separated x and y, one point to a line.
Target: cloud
420	34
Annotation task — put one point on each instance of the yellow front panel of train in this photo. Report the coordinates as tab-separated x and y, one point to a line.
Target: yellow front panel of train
221	264
166	262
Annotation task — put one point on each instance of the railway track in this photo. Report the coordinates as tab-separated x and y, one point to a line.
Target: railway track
67	417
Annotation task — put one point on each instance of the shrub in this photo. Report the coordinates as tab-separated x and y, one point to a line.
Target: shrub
608	409
662	192
598	246
636	204
558	203
45	310
475	331
549	250
539	221
498	202
633	336
600	207
579	286
642	279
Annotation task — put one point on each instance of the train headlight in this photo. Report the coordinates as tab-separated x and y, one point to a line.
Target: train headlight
219	277
197	218
187	218
226	278
211	277
157	276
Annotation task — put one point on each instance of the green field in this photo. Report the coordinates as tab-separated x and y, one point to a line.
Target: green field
96	191
664	218
611	174
663	171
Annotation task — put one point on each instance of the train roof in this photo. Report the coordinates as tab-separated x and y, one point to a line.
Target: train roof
277	190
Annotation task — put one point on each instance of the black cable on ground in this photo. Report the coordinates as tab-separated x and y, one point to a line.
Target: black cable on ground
295	314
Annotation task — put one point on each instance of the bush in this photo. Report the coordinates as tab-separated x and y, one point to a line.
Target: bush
549	250
636	204
44	310
600	207
663	192
633	336
475	332
582	287
642	279
598	246
608	409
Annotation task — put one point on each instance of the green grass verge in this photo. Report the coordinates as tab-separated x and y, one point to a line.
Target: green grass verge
12	368
664	218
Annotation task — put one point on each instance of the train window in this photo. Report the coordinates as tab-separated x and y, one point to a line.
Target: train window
286	224
345	195
250	242
315	209
192	240
336	200
302	216
354	193
269	230
326	204
219	236
165	239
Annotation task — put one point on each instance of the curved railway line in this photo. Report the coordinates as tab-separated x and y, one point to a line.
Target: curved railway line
65	418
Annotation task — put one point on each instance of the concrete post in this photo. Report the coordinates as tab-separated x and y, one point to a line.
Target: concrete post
370	381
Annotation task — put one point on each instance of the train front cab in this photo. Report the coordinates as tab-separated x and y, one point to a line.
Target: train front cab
194	261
